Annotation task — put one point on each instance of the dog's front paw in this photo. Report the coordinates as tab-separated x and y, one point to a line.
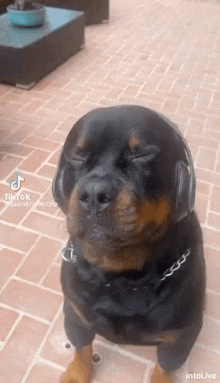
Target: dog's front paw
160	376
80	370
68	376
75	374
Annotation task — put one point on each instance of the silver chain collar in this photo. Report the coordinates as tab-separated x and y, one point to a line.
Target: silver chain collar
68	255
176	265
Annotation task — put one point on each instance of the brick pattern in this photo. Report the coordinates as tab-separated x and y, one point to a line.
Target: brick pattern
164	55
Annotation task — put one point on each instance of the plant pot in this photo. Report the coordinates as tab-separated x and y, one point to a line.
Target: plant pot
34	16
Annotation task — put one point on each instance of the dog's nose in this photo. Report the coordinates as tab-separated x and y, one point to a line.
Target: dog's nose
96	194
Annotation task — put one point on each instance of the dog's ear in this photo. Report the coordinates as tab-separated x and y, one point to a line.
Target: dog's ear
63	183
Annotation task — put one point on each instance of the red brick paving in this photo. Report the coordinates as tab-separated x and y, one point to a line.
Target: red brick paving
21	348
161	54
19	294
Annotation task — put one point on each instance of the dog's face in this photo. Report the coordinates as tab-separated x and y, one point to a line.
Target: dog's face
116	177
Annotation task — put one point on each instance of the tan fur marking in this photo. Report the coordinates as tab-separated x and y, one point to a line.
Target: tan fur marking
127	258
160	376
80	370
124	200
134	143
74	199
133	217
169	337
154	211
82	143
73	212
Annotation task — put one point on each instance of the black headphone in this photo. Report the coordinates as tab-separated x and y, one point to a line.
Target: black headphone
185	186
185	180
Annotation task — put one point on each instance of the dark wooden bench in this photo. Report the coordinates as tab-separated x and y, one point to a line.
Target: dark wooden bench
27	57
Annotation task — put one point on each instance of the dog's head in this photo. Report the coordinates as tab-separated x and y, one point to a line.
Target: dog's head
125	173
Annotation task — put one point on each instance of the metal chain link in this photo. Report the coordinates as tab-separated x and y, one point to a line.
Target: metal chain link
176	265
70	252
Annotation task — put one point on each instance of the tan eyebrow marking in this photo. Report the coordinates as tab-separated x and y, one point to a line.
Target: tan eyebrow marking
82	143
134	143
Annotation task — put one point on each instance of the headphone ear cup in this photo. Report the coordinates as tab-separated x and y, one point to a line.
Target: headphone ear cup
185	190
58	185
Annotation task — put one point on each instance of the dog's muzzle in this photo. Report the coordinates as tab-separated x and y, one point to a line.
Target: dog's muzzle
96	194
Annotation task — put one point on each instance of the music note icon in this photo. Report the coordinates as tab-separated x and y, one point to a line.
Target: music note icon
16	183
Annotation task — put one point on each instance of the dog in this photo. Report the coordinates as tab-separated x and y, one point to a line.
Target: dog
133	269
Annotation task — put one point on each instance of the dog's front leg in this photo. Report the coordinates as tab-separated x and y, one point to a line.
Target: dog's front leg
160	376
80	370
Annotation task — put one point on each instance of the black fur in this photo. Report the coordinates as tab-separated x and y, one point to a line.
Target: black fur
132	306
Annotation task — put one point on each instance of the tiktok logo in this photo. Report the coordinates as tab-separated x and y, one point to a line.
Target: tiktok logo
16	184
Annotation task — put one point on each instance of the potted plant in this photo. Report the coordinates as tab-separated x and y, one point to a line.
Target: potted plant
25	13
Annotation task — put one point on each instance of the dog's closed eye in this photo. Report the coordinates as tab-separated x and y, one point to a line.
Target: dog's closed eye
74	159
145	155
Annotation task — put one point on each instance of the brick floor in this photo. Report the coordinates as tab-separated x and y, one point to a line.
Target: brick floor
162	54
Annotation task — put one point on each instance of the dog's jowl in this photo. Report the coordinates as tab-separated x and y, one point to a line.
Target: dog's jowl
133	269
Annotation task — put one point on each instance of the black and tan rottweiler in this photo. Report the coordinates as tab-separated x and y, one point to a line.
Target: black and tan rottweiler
133	269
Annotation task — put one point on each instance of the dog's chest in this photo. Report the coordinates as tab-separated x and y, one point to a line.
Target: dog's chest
124	317
119	311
